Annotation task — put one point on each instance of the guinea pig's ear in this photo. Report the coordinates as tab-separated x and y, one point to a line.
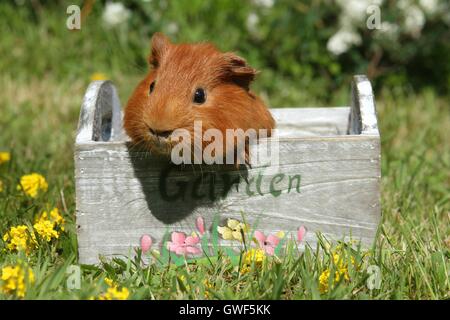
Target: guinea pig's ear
241	73
160	44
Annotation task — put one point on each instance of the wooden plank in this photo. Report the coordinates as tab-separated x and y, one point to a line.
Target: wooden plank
100	115
119	193
304	122
363	116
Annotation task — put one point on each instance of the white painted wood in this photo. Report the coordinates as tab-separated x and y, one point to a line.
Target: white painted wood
363	117
100	115
304	122
120	194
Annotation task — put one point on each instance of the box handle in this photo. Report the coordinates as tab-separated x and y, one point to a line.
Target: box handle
363	117
100	115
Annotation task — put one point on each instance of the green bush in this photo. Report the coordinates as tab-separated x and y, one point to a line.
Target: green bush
304	48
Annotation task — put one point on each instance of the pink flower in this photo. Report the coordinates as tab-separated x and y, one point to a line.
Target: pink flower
268	243
301	232
183	245
200	223
146	243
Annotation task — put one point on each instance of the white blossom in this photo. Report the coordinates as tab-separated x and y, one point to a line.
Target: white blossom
172	28
252	22
115	13
429	6
342	40
390	30
414	20
264	3
403	4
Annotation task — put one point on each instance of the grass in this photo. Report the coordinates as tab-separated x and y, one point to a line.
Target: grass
41	97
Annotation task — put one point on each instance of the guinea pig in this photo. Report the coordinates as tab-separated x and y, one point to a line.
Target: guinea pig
188	83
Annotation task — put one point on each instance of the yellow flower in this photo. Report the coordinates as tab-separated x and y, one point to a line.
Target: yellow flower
4	157
109	282
233	230
281	234
32	184
182	280
341	266
54	217
13	280
323	281
208	286
98	76
113	292
251	257
47	223
254	255
45	229
19	238
341	271
325	276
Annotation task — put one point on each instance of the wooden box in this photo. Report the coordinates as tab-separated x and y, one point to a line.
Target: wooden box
327	179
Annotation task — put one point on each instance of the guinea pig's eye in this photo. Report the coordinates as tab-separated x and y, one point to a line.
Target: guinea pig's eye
152	86
199	96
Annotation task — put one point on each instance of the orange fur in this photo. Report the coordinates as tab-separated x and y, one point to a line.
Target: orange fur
178	70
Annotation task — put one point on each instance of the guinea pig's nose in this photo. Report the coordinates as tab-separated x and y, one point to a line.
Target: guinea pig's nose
160	133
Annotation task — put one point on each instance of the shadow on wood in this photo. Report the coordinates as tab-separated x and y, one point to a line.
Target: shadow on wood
175	191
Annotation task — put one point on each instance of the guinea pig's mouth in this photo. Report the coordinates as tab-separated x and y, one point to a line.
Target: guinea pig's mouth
160	141
160	134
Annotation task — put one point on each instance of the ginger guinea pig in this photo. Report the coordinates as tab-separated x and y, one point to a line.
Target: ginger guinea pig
189	83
